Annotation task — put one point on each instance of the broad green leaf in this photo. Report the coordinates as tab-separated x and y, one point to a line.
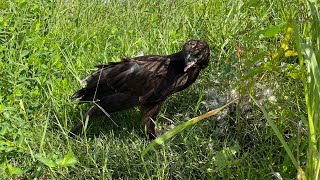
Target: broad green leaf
68	160
272	31
24	53
14	171
225	156
46	161
4	128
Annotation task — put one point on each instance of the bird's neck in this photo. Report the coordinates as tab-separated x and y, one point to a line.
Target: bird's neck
176	57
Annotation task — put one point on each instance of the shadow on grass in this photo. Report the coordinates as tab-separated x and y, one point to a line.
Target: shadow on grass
124	124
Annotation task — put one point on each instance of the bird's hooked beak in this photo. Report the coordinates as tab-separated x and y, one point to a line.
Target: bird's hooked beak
190	62
189	65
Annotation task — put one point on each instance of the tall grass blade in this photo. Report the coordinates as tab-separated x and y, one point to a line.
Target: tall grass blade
309	58
277	132
161	139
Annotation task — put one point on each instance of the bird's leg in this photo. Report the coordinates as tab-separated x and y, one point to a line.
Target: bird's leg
92	111
148	116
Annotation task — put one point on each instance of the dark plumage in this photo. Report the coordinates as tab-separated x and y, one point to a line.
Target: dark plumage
144	81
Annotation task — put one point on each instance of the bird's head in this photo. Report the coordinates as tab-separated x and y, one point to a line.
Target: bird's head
196	53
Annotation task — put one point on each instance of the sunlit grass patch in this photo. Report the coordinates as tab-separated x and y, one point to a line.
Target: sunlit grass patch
47	47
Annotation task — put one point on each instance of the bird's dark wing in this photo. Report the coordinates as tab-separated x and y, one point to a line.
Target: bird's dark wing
169	86
137	77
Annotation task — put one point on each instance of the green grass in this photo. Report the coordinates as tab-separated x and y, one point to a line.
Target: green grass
47	47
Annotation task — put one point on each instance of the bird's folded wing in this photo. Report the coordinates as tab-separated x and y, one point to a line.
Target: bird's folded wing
127	76
167	87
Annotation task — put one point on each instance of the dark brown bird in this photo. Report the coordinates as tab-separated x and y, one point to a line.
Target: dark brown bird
144	81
